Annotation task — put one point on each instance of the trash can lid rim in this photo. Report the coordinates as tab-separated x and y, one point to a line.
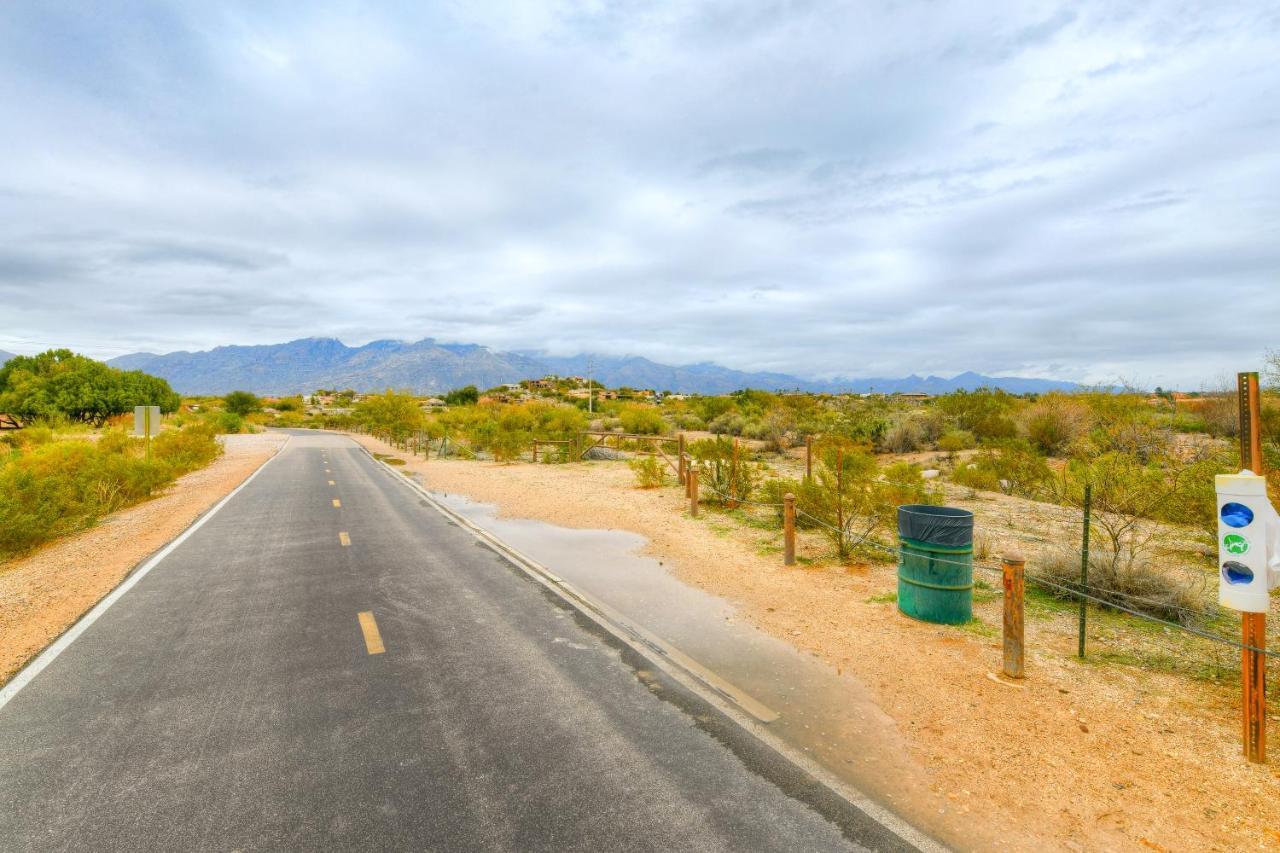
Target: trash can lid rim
935	511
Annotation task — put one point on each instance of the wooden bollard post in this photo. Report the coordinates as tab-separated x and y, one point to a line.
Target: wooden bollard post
1014	589
789	529
680	456
693	492
808	457
535	451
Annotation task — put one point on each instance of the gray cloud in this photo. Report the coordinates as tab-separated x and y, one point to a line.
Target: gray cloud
815	187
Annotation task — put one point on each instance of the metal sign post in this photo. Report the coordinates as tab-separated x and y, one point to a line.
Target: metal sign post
146	423
1253	663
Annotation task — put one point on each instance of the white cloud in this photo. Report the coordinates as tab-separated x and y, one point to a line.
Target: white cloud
813	187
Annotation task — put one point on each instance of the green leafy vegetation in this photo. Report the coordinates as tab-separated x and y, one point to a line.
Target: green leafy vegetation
241	403
651	472
59	386
50	487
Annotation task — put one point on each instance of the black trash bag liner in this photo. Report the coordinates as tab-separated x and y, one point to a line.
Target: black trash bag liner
947	526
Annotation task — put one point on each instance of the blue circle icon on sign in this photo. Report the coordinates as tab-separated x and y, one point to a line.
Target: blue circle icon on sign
1236	515
1235	572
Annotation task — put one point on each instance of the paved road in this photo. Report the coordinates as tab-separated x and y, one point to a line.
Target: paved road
235	699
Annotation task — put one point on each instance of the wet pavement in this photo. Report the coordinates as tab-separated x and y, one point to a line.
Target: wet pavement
830	717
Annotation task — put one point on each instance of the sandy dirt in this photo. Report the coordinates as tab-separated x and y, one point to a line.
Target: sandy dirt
43	594
1075	757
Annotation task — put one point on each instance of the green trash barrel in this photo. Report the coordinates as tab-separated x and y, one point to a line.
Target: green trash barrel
935	563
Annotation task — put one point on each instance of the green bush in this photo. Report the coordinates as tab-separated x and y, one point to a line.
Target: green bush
1011	466
957	440
728	475
241	403
59	487
230	423
650	472
186	449
642	420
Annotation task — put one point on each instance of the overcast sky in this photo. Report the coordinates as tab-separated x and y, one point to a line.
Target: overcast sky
1084	191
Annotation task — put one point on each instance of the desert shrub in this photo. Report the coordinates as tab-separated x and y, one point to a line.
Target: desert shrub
186	449
975	476
954	441
1012	467
1187	422
1221	414
688	421
229	423
59	487
852	498
642	420
906	436
241	403
994	428
729	423
725	470
932	424
506	445
1133	584
650	471
1054	421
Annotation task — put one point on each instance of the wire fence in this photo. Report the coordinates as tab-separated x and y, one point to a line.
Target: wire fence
1191	622
1101	596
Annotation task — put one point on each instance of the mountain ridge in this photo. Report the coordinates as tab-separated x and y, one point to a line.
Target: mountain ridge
428	367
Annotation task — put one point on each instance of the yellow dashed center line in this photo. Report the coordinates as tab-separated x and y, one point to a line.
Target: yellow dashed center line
337	502
331	483
327	471
372	638
344	539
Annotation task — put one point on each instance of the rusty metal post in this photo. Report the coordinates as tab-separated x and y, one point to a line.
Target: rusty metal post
789	529
1014	589
733	476
1253	626
1253	675
693	492
535	451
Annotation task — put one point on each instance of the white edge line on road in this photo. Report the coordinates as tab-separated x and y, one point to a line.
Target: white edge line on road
691	680
51	652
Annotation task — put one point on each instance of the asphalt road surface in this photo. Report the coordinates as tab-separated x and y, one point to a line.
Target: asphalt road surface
329	664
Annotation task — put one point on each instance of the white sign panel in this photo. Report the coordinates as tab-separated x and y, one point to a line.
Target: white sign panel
144	417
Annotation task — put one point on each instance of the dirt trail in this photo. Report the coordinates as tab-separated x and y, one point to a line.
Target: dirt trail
43	594
1077	757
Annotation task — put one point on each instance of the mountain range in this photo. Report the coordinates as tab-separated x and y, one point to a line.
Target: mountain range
428	367
5	356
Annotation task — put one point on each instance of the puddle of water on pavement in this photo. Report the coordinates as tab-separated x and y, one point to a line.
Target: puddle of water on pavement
831	718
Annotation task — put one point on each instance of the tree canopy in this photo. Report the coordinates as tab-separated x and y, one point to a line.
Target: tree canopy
62	384
241	403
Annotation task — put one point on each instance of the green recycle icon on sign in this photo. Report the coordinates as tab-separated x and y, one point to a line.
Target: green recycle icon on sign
1234	543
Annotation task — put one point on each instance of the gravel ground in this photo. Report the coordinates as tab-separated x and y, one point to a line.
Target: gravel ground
43	594
1077	757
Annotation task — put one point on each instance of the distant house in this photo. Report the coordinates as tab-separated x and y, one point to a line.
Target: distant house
432	403
913	397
